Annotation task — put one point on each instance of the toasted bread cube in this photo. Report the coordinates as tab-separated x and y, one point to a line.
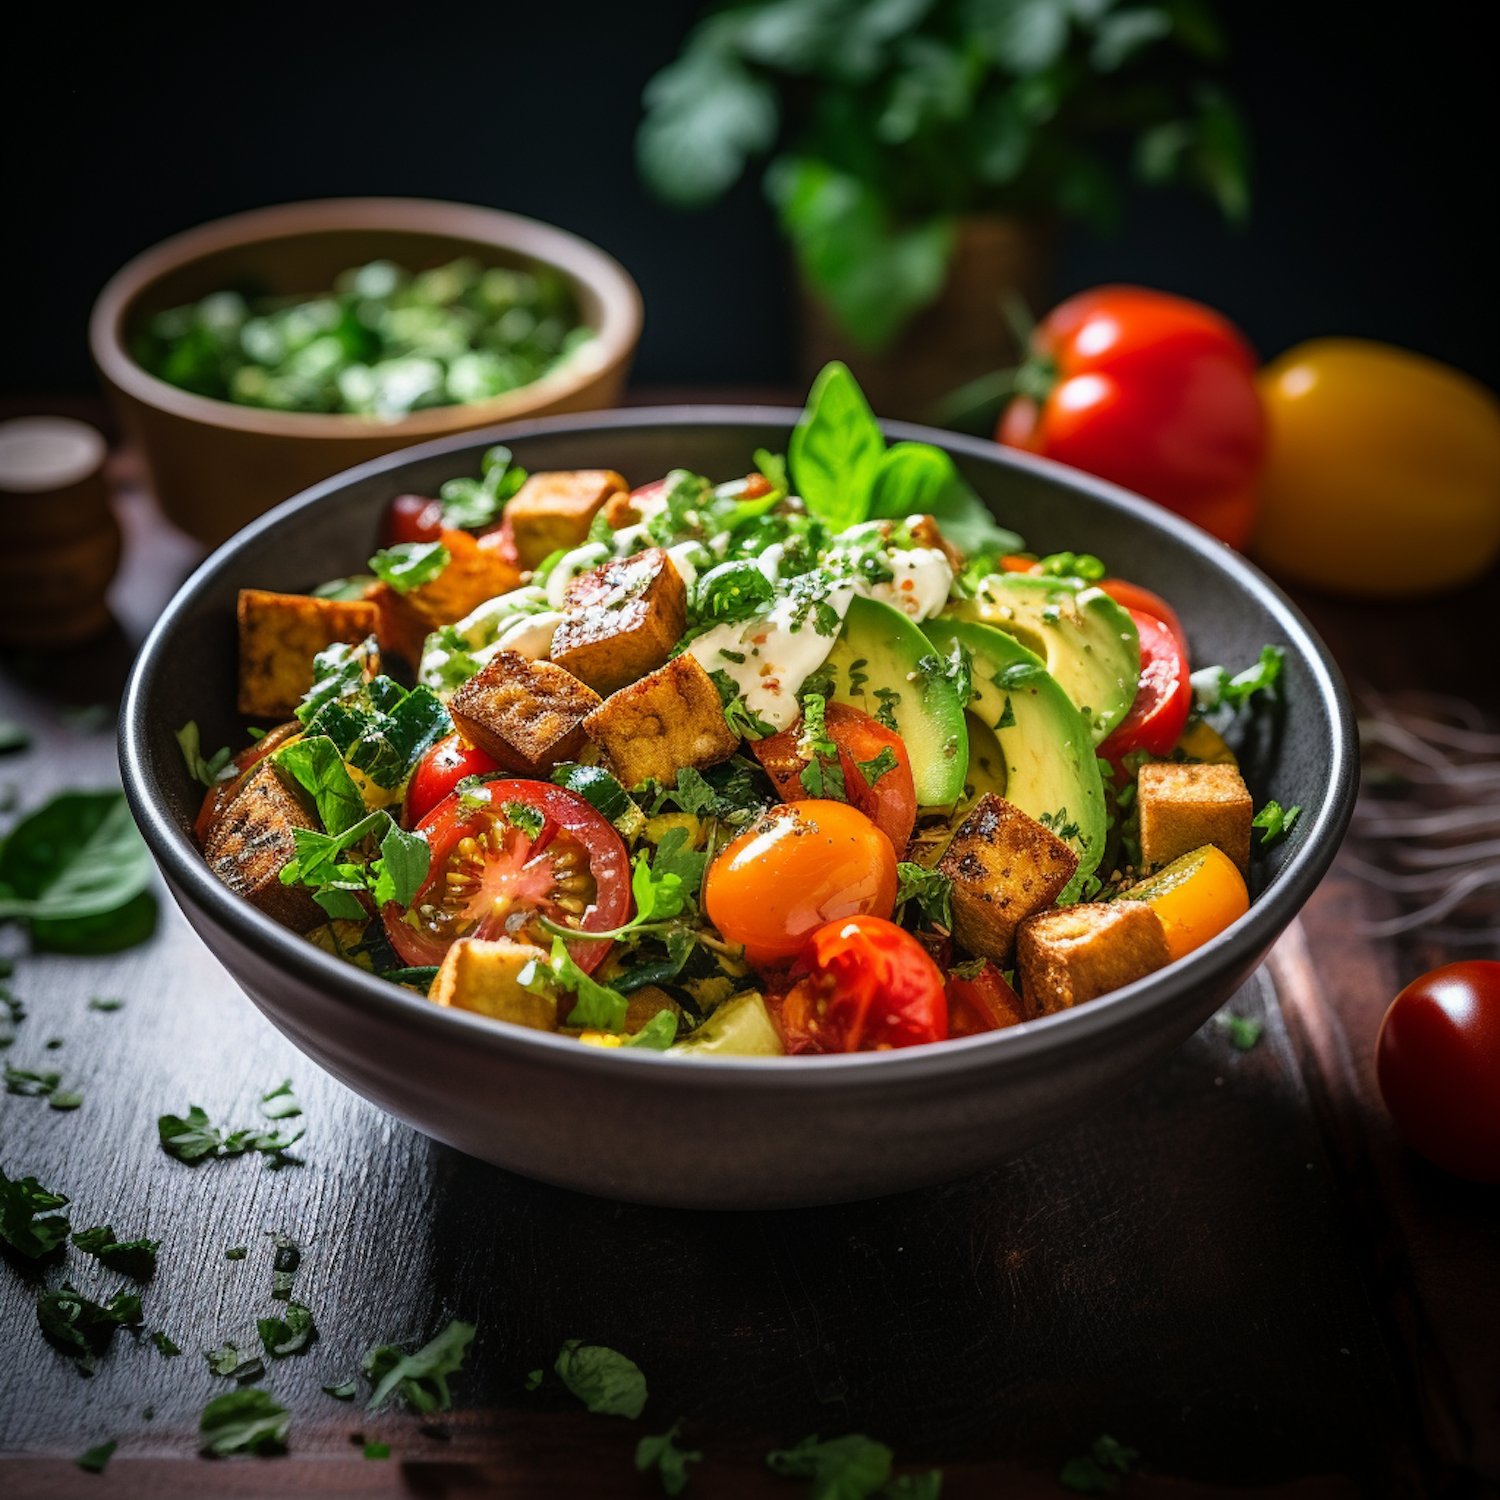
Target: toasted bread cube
253	842
1185	807
1076	953
527	714
556	509
473	574
621	620
620	511
279	636
655	727
1004	866
482	975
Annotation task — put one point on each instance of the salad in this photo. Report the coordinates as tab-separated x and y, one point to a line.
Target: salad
818	759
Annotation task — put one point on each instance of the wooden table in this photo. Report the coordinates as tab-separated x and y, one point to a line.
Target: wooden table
1236	1269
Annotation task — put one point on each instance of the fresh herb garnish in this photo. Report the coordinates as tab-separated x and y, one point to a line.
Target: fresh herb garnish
377	1450
211	771
290	1335
94	1460
822	776
281	1103
135	1257
421	1379
1059	824
1273	821
81	1327
244	1421
732	591
1099	1471
844	1468
345	1390
597	1007
315	764
21	1202
96	1003
931	890
236	1252
473	504
669	1461
890	701
657	1034
1214	688
396	875
523	816
231	1362
1244	1032
738	714
195	1138
30	1085
881	765
603	793
164	1345
408	565
603	1379
284	1266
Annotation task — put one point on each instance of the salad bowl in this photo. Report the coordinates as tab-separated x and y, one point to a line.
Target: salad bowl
733	1132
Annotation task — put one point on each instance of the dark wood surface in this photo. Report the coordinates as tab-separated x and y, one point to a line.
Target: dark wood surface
1236	1269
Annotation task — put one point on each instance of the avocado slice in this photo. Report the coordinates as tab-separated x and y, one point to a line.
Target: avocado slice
883	665
1050	768
1088	642
740	1027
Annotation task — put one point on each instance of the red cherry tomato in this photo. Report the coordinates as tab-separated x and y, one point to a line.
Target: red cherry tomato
1437	1060
1153	392
1162	701
984	1003
861	985
891	803
800	865
412	518
439	771
1134	597
493	873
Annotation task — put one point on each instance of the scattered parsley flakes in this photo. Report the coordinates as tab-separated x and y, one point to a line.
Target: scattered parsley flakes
1244	1033
244	1421
883	764
670	1461
1060	825
233	1363
345	1390
284	1269
890	701
195	1138
528	819
845	1468
281	1103
134	1257
533	1380
1274	821
30	1085
408	565
930	889
291	1335
823	775
421	1379
94	1460
81	1327
377	1450
603	1379
1098	1471
20	1203
105	1003
164	1345
236	1252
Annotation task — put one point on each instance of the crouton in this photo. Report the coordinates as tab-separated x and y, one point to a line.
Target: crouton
620	511
655	727
253	842
474	573
527	714
556	509
482	976
1076	953
1184	807
279	636
621	620
1004	866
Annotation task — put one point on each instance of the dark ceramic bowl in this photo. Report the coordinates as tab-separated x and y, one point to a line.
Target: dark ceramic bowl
733	1133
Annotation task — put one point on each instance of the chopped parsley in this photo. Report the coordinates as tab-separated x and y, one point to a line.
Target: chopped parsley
281	1103
1060	825
1244	1032
284	1268
845	1468
229	1361
890	701
420	1379
164	1345
1100	1470
881	765
81	1327
1214	688
605	1380
94	1460
97	1002
528	819
244	1421
345	1390
931	890
597	1007
1274	821
194	1138
472	504
738	714
134	1257
397	874
669	1461
280	1337
408	565
822	776
21	1202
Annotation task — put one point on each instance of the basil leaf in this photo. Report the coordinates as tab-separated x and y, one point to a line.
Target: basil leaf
81	1327
339	672
244	1421
408	565
836	449
603	1379
317	766
79	855
919	479
732	591
422	1378
402	867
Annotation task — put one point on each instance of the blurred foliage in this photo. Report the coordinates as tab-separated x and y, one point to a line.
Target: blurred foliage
383	343
893	117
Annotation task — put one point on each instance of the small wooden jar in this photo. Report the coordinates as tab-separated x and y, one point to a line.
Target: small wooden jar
61	540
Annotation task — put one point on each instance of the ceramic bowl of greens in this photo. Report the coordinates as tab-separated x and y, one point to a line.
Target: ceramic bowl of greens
734	1130
256	355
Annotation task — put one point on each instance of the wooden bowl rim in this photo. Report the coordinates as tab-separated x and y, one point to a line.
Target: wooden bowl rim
619	327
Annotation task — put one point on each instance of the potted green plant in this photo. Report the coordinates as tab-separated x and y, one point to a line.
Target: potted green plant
924	152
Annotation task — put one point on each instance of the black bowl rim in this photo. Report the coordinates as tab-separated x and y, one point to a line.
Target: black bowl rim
1319	831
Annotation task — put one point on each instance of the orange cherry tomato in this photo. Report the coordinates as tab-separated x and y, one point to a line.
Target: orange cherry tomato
800	865
1196	897
891	803
984	1003
861	984
1134	597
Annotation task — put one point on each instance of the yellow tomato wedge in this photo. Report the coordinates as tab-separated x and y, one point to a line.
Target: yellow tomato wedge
1196	897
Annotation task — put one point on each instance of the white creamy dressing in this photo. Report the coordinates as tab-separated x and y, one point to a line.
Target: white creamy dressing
519	621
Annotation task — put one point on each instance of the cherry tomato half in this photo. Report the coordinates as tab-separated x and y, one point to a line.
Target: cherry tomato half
1154	392
439	771
1437	1060
984	1003
861	985
1162	701
795	868
891	803
494	872
1134	597
412	518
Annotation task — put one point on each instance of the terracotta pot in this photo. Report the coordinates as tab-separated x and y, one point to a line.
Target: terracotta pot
214	465
962	335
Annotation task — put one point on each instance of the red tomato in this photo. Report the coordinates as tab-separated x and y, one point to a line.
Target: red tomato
491	878
1437	1060
439	771
861	985
891	803
984	1003
1153	392
1134	597
412	518
1162	701
795	868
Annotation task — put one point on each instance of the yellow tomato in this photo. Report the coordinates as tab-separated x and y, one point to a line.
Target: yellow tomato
1383	474
1196	897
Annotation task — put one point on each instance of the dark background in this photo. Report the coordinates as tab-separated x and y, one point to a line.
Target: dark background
1373	127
